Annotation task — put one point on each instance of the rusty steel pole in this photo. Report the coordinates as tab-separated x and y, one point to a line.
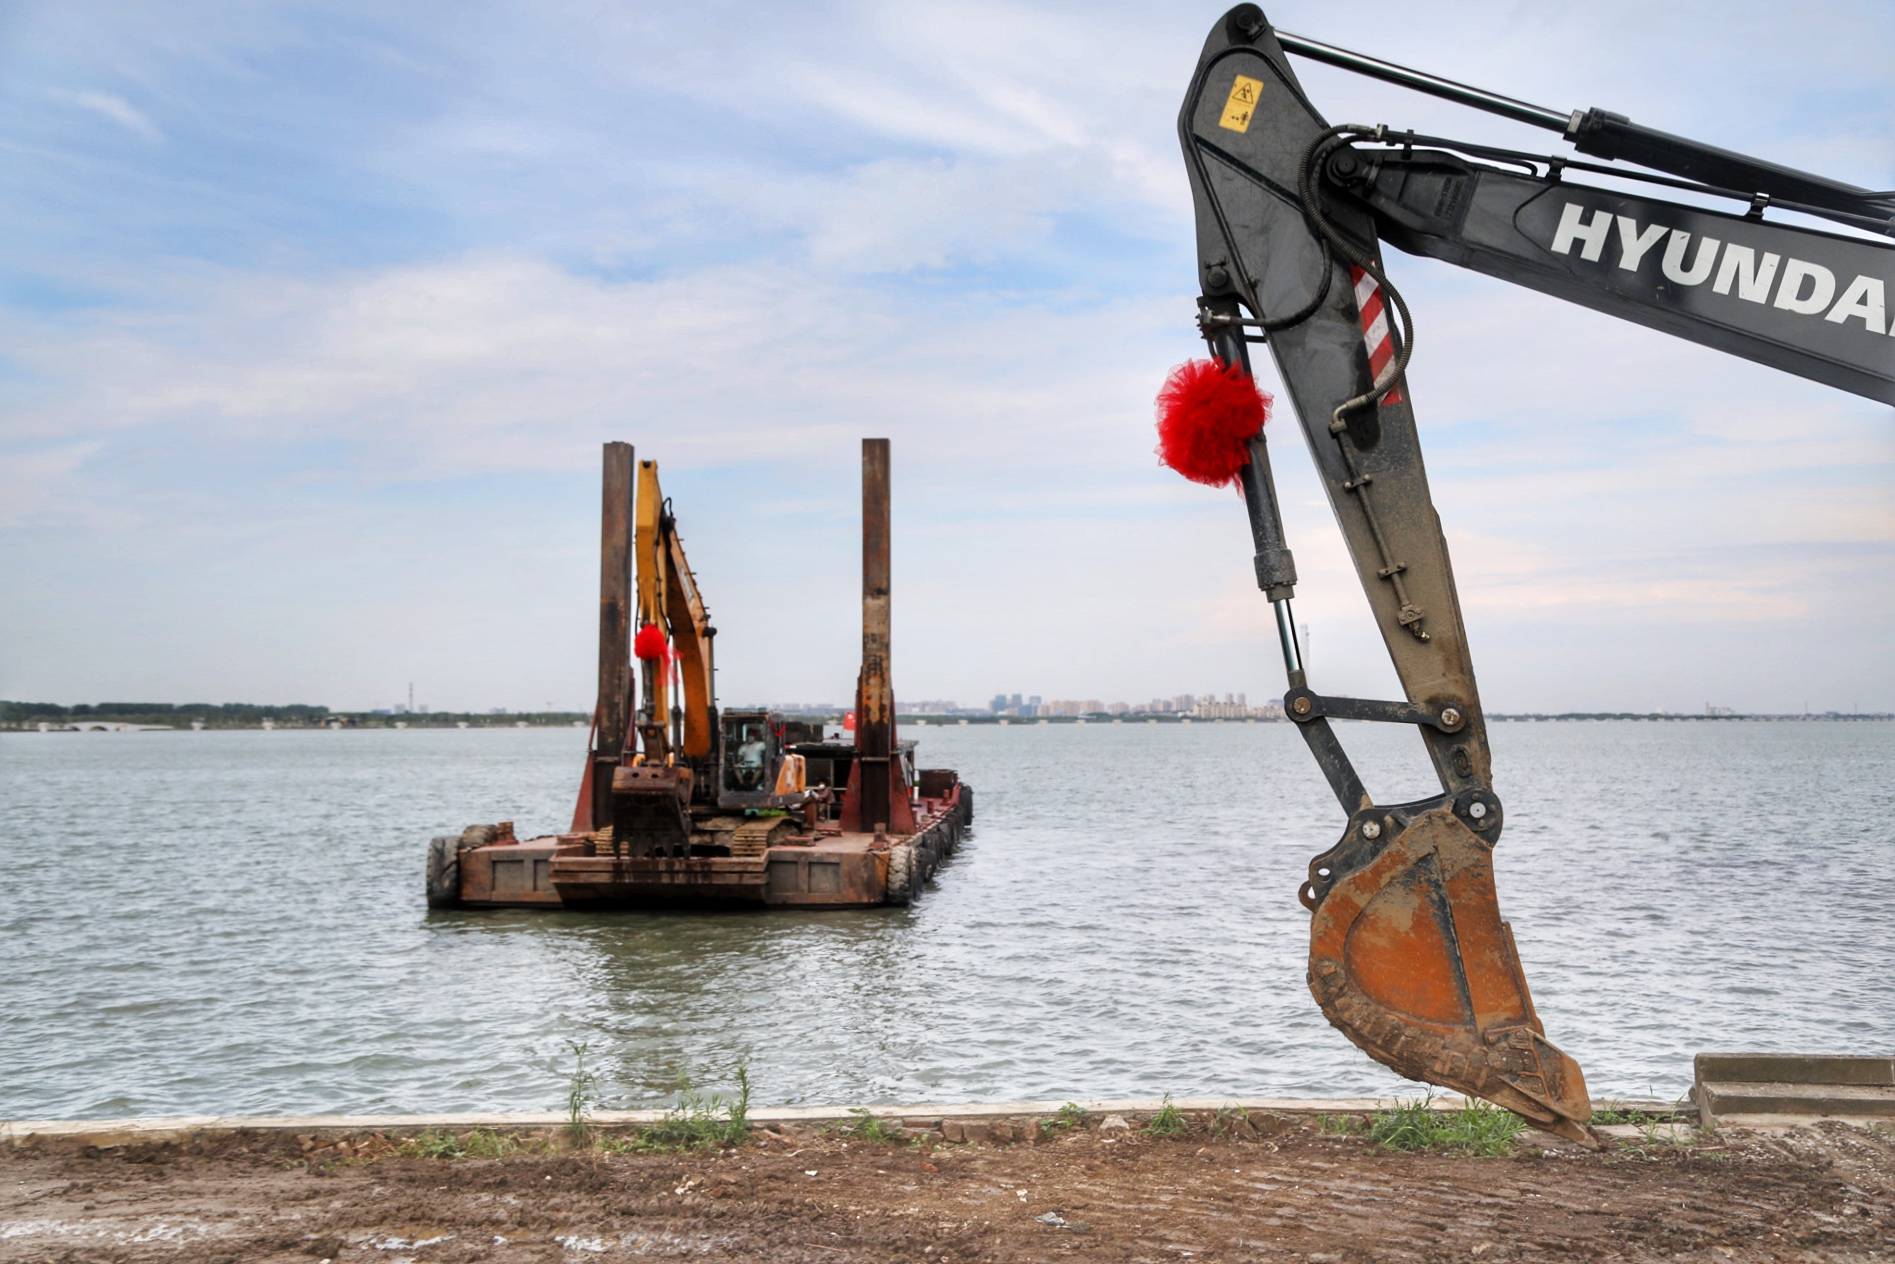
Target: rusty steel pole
874	700
615	638
880	802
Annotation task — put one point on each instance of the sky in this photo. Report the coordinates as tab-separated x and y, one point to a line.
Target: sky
313	318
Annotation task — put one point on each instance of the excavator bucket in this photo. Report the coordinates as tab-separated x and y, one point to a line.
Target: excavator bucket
1408	957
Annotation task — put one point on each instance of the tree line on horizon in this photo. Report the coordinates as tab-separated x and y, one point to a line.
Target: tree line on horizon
14	714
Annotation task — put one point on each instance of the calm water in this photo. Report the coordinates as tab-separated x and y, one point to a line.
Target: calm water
234	922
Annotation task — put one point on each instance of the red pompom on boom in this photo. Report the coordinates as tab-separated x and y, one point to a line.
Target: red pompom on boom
649	643
1208	412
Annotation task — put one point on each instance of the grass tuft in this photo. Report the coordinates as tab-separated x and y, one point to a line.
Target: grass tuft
1168	1122
1657	1134
1615	1114
481	1143
1338	1125
1475	1129
1067	1118
698	1122
581	1085
863	1125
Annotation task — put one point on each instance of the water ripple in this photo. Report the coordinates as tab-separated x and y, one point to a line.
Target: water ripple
232	922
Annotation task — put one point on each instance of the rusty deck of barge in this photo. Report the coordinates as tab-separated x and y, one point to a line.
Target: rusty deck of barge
826	867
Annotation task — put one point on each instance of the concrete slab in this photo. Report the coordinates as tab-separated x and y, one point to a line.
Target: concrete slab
105	1132
1794	1068
1787	1085
1790	1123
1815	1100
1666	1132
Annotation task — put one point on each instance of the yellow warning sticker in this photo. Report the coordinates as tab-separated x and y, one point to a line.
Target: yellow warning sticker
1241	103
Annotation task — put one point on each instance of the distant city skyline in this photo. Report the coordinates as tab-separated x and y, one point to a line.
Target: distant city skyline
1208	706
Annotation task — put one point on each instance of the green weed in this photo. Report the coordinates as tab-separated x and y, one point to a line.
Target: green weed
1614	1114
1228	1121
432	1145
1657	1133
1475	1129
580	1086
863	1125
1338	1125
737	1115
481	1143
698	1122
1168	1122
1065	1119
1657	1129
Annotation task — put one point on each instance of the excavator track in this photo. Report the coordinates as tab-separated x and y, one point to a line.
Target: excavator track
754	837
747	841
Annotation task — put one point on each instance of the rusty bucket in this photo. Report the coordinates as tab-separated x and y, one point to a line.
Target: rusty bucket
1409	958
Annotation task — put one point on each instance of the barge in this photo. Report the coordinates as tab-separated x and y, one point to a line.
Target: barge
681	803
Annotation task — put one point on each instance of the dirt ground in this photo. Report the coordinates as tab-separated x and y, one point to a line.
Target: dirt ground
1300	1194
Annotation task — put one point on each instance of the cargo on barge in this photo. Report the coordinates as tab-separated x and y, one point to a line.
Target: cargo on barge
683	803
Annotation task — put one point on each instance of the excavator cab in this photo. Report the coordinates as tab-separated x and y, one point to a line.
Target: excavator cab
749	757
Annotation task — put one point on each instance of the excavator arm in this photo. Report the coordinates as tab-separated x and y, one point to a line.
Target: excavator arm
692	635
1807	302
1409	956
668	600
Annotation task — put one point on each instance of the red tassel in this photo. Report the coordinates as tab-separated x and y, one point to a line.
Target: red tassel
649	643
1208	412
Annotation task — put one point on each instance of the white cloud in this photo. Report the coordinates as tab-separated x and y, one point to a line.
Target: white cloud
1027	481
113	108
41	486
498	362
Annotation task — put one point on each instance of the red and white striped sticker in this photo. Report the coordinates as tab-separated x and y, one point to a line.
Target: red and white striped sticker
1375	335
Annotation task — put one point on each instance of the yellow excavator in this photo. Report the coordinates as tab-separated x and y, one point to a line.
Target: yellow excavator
701	782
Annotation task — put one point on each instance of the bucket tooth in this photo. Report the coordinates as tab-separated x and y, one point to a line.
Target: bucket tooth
1410	960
